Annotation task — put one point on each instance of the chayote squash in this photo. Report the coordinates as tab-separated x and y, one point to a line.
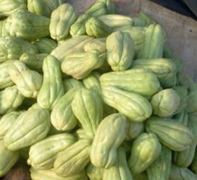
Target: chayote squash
142	20
43	154
137	34
7	122
98	44
52	88
87	106
154	43
136	80
62	116
5	80
92	82
70	83
109	136
27	25
132	105
43	7
178	173
7	7
115	21
11	48
194	163
135	129
7	160
3	31
184	158
183	94
70	47
80	65
94	173
96	28
164	69
33	61
120	51
144	151
165	103
10	99
120	171
74	159
30	127
61	20
99	8
28	82
171	133
49	174
45	45
141	176
78	28
184	80
160	168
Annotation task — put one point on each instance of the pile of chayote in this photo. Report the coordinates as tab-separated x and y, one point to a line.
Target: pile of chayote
95	96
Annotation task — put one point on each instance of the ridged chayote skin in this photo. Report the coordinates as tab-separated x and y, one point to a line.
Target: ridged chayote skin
92	82
62	116
109	136
87	106
183	94
184	158
178	173
141	176
11	48
70	83
194	164
165	103
7	160
136	80
137	34
80	65
171	133
52	88
98	44
115	21
96	28
7	122
50	174
45	45
94	173
27	25
99	8
120	171
164	69
5	80
142	20
30	127
61	20
33	61
43	154
7	7
120	51
28	82
144	151
135	129
154	43
160	168
43	7
10	99
70	47
132	105
74	159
